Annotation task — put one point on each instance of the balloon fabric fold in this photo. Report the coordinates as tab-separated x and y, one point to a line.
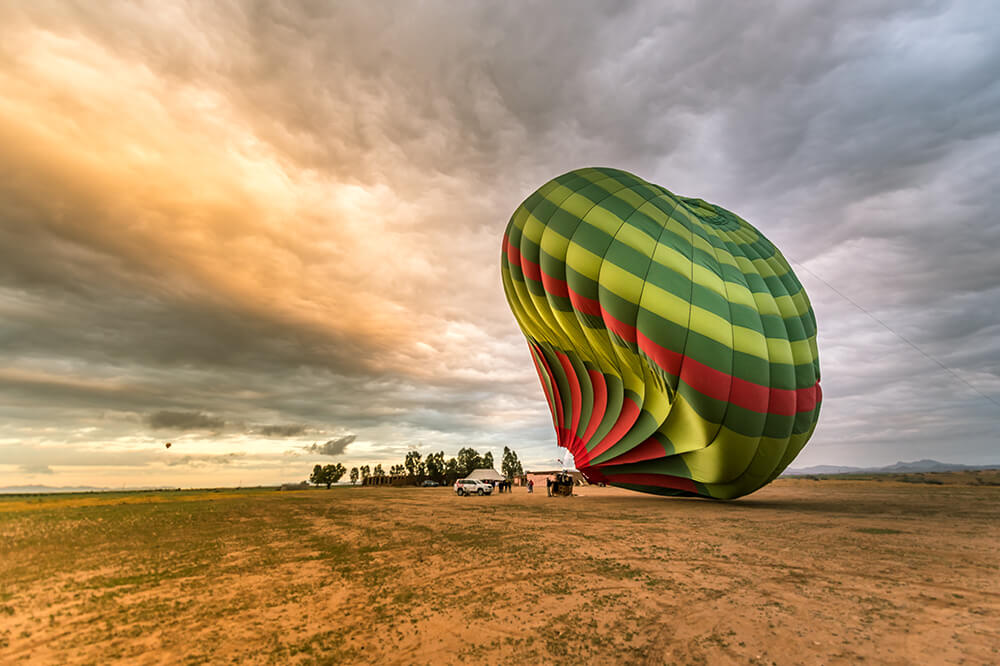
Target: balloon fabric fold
674	344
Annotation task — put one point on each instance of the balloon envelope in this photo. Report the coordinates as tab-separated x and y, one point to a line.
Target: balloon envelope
674	344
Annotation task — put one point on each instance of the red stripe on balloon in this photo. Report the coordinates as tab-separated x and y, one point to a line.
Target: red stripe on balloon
754	397
626	419
656	480
513	255
665	358
592	474
574	396
528	267
531	270
648	450
545	390
583	304
621	329
554	286
600	403
557	399
706	380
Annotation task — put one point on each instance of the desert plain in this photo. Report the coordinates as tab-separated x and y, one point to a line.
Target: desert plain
884	570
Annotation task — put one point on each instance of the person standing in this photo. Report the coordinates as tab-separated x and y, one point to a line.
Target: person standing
531	486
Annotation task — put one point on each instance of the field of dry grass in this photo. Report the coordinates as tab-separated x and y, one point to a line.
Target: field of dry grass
804	571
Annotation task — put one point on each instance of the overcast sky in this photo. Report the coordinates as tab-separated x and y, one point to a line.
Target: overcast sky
269	233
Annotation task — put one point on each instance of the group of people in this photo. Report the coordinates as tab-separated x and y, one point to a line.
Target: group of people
502	486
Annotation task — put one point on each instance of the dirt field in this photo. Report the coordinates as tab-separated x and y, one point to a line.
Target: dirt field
804	571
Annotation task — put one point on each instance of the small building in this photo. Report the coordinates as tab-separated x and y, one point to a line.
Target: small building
387	480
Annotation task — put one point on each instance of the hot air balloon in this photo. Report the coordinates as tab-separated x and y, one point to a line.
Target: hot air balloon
167	445
674	344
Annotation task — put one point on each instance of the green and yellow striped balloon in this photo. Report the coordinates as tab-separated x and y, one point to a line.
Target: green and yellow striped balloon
675	347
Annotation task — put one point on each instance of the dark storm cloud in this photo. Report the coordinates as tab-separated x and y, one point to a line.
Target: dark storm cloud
862	139
98	303
164	420
205	460
285	430
332	447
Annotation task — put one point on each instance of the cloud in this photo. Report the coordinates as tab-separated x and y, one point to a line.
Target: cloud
36	469
285	430
163	420
205	460
333	447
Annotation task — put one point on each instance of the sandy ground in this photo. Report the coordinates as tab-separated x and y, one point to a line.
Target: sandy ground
813	572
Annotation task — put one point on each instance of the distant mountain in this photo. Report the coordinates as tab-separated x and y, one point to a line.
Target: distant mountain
823	469
932	466
897	468
35	490
22	490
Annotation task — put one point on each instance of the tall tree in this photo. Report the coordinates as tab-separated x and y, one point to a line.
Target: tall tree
332	474
452	471
510	466
468	460
488	460
318	476
354	475
434	464
413	464
366	473
378	470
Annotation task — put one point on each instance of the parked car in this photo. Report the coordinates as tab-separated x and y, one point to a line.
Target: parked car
430	483
466	487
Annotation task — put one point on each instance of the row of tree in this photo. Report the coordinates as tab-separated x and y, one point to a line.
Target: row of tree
417	468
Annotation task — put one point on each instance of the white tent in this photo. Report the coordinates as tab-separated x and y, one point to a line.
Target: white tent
486	474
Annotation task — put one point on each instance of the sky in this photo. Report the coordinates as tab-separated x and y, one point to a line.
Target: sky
269	233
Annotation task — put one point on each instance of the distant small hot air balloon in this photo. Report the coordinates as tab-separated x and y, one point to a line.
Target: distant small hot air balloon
168	445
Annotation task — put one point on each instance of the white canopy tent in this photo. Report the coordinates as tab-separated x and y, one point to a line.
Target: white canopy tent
487	474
